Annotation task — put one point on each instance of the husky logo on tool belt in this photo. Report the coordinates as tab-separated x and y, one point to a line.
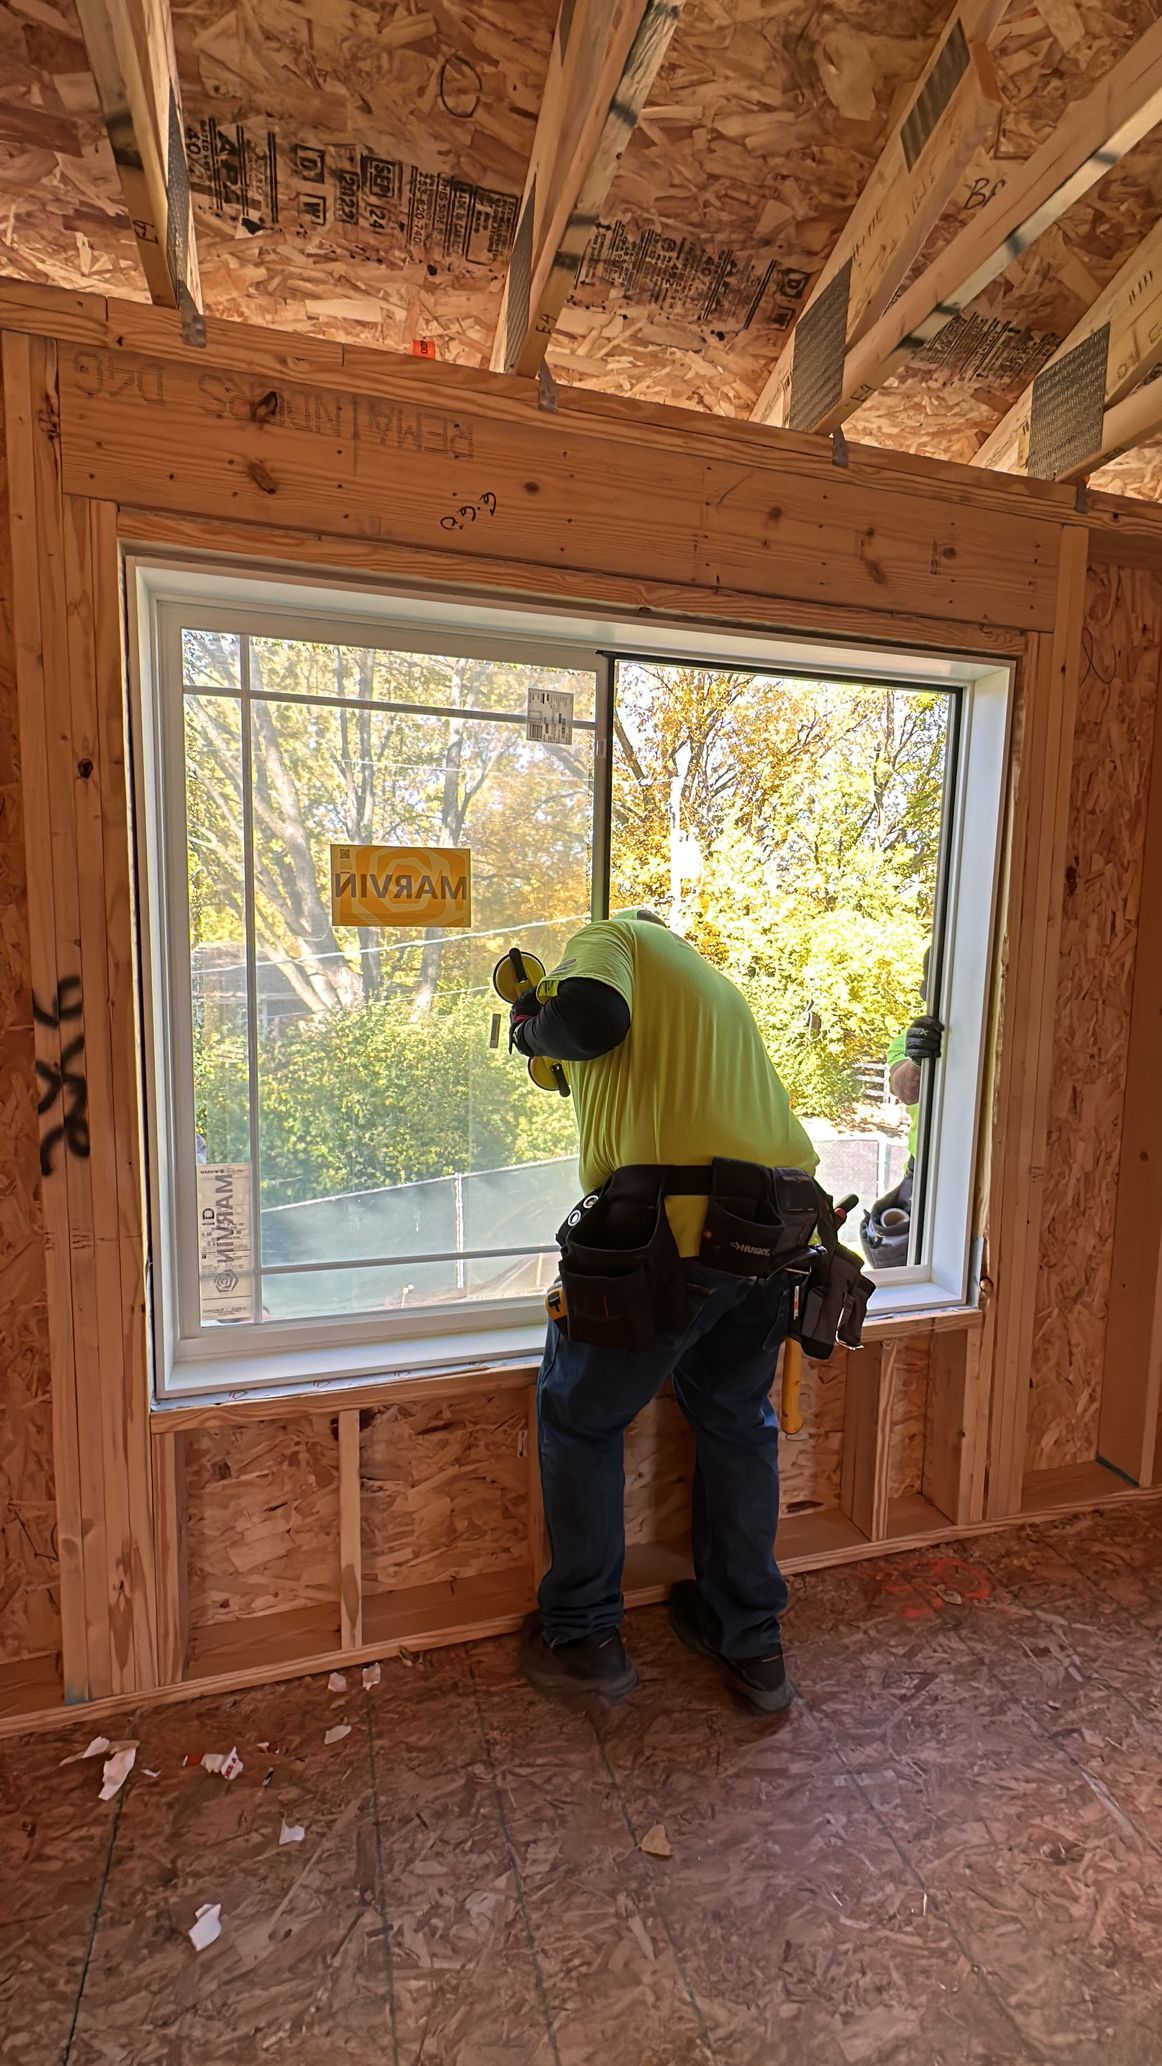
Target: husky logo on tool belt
401	885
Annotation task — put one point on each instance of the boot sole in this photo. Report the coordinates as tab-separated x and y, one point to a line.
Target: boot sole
752	1696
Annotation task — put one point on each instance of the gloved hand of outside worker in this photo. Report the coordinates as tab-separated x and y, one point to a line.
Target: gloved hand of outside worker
523	1013
923	1039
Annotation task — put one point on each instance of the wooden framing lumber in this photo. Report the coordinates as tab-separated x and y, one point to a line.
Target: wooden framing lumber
28	366
1094	134
66	611
173	1613
1126	425
604	60
1132	1372
956	105
539	1556
1031	952
130	48
956	1426
867	1429
1129	312
350	1534
566	497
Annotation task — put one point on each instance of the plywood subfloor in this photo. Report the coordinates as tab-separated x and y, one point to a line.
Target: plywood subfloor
948	1853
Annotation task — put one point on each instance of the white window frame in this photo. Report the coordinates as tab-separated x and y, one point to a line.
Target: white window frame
293	1356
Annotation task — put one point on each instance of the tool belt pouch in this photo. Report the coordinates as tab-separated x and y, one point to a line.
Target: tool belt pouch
757	1220
832	1303
624	1282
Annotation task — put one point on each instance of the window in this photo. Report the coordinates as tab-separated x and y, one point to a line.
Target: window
349	1172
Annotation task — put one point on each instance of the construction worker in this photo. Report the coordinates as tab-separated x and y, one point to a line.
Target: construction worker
886	1229
667	1068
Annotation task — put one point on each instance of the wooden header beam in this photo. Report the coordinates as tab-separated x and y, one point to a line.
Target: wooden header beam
955	106
1129	313
605	57
1095	134
130	48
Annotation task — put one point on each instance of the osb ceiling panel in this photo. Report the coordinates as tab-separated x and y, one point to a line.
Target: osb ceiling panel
357	168
61	213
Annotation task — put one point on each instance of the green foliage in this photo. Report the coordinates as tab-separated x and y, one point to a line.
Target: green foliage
357	1098
809	820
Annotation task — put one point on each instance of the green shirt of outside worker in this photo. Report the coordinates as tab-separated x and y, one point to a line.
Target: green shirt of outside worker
691	1080
897	1052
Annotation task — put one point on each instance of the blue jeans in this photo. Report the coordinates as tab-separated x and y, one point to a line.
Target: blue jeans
723	1367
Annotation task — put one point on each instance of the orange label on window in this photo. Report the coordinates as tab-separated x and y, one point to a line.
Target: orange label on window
401	885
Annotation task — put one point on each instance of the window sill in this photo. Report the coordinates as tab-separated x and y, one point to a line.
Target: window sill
310	1372
355	1373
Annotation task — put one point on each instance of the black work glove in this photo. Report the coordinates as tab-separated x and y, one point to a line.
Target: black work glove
923	1039
523	1013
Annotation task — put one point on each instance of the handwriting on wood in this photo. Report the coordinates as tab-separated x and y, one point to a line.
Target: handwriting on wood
484	505
64	1084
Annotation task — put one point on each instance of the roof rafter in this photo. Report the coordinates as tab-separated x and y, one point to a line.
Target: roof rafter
130	48
1093	135
604	60
954	107
1129	313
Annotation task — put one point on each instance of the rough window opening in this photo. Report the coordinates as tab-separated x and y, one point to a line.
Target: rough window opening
350	1176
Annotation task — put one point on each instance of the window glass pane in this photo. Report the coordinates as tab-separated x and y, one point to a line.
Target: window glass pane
297	667
392	1135
217	941
792	831
210	660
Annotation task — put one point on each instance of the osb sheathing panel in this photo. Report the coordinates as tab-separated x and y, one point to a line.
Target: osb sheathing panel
909	1416
62	218
659	1447
262	1507
659	1458
445	1490
1136	473
1118	695
29	1604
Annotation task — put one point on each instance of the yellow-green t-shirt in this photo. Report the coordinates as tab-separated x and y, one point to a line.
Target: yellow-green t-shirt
691	1080
898	1052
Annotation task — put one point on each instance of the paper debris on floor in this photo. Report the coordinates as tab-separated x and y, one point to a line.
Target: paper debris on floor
291	1833
337	1734
227	1764
372	1673
655	1843
337	1683
118	1766
97	1749
208	1926
150	1774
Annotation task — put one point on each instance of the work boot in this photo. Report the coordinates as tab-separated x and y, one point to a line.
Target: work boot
761	1681
569	1671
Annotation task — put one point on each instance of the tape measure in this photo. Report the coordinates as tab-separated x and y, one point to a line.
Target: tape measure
556	1305
515	973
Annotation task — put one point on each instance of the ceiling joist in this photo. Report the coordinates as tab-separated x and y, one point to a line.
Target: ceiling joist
130	48
604	60
1093	135
955	107
1059	419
